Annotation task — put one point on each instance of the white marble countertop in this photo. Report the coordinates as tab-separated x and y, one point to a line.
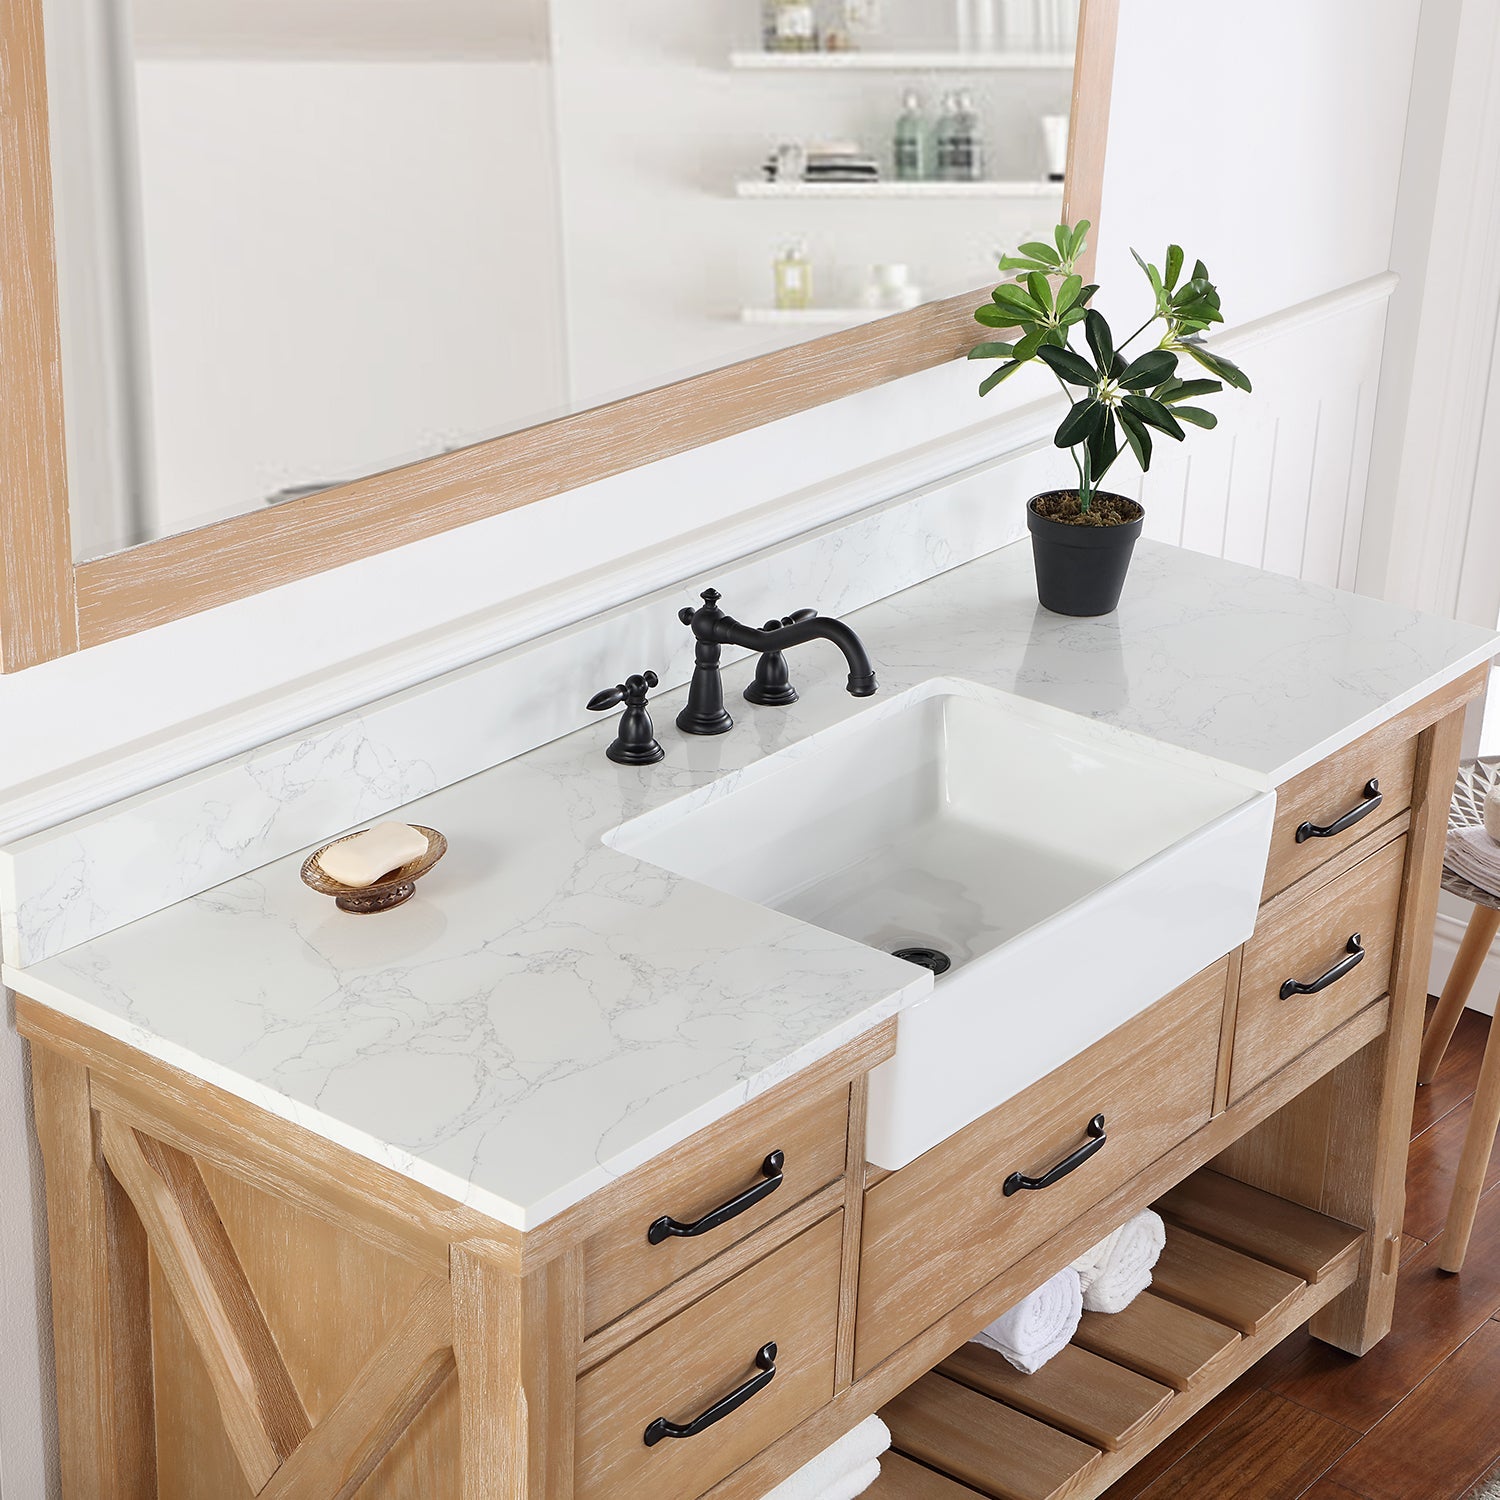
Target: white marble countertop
548	1014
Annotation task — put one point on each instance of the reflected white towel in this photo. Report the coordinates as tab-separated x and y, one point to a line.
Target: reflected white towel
1118	1269
1039	1326
843	1471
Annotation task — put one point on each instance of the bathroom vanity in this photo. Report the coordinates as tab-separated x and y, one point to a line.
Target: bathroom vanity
599	1170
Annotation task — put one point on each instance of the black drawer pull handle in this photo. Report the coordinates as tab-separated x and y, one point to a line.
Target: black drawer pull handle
1354	948
1071	1163
1373	799
765	1358
666	1227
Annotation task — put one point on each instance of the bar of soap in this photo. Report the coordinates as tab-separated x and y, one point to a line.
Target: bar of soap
362	860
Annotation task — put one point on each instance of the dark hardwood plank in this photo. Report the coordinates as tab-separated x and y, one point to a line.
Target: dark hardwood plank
1441	1438
1326	1489
1192	1432
1455	1078
1430	1171
1410	1245
1435	1313
1269	1449
1490	1477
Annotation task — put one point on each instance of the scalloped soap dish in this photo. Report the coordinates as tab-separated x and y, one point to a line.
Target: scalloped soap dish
391	890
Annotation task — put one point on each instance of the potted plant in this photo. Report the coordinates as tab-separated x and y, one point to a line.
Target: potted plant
1082	537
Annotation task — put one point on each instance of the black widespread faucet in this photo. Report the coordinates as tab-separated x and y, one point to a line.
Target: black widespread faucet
713	630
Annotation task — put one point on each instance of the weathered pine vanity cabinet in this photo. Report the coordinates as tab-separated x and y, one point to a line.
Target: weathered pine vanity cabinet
243	1308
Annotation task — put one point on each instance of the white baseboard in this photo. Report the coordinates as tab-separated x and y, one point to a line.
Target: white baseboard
1445	941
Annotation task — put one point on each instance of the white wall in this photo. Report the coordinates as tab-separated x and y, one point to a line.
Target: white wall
516	29
349	264
1308	208
1434	501
1434	534
1272	153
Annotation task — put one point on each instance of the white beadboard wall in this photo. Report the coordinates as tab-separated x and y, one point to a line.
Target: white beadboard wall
1280	483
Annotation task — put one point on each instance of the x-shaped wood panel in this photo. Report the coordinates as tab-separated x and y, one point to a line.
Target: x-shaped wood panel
283	1455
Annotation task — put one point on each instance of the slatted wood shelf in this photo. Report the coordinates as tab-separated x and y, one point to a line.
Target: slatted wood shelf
1241	1269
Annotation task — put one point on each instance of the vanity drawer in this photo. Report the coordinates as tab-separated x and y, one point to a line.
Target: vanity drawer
1327	794
704	1354
719	1169
941	1227
1305	941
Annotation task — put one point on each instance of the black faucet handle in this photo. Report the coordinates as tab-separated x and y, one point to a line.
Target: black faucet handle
632	691
772	685
796	617
635	745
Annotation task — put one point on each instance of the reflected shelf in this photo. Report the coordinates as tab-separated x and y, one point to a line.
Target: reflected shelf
912	62
1015	189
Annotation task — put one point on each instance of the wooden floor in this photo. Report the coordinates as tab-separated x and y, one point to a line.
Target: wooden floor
1418	1418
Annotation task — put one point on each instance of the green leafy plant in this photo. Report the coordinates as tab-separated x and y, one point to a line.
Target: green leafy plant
1115	401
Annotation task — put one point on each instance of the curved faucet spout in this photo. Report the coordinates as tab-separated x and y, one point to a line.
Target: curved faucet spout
704	712
861	682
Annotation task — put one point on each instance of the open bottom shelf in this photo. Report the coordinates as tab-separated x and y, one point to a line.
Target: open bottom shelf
1241	1270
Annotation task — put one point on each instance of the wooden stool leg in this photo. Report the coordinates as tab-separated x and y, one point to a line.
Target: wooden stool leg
1472	952
1484	1118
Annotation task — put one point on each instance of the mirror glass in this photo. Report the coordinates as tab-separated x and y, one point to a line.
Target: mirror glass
303	241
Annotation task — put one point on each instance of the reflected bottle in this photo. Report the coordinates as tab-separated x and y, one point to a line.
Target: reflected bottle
793	271
942	139
913	150
963	158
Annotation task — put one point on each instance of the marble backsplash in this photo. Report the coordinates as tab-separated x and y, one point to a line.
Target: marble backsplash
95	873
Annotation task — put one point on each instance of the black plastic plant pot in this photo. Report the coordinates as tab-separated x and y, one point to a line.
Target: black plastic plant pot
1080	570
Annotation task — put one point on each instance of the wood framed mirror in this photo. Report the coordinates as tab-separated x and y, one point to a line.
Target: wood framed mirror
52	603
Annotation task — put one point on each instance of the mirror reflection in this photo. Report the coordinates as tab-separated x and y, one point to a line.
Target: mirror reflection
303	241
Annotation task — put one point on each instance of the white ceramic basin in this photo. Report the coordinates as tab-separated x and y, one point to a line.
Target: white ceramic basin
1073	873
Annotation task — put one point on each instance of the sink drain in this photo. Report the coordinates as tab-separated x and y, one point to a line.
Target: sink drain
929	958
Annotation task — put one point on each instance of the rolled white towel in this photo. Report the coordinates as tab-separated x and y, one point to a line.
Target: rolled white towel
853	1484
840	1472
1038	1326
1118	1269
1092	1261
